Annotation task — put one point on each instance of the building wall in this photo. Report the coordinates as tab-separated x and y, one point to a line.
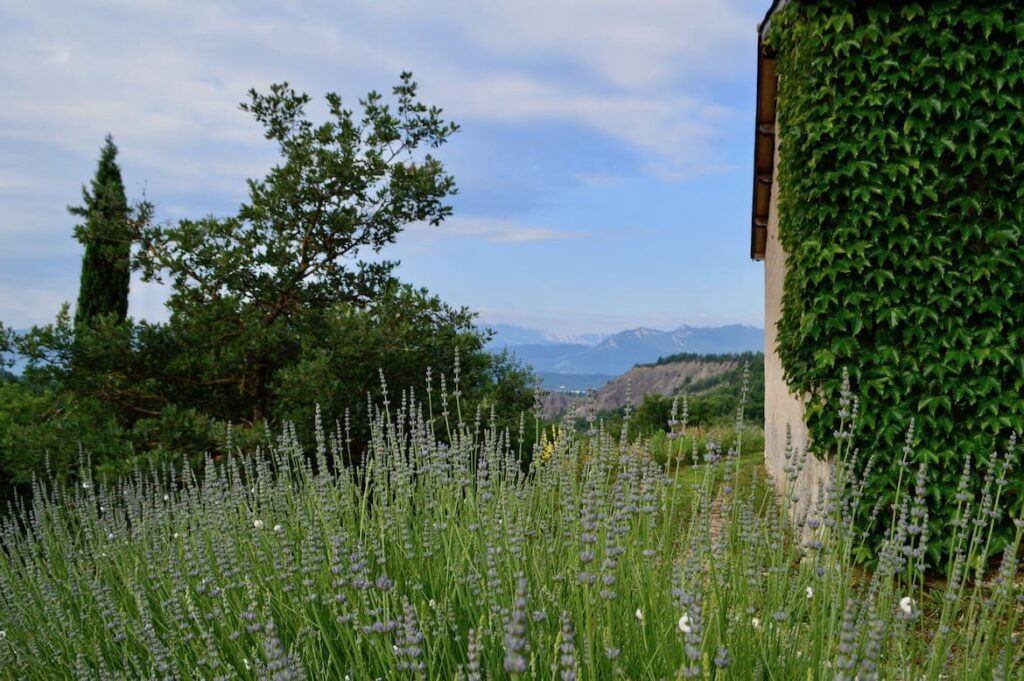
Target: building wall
782	408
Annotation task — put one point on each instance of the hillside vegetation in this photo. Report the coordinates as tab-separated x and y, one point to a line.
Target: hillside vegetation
712	384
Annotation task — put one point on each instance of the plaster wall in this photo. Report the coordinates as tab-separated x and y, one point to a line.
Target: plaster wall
781	407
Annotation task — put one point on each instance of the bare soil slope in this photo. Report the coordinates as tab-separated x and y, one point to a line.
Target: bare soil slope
664	379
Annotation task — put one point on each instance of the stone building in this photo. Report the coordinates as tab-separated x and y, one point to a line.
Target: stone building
782	409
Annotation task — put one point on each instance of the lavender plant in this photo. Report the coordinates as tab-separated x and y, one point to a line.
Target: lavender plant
438	556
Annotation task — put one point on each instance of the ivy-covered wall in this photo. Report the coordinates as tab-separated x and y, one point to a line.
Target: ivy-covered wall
901	210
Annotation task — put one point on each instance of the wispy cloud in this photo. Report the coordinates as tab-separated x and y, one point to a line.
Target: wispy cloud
635	72
636	44
498	231
677	132
167	77
626	93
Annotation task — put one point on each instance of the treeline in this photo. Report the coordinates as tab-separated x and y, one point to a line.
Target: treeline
278	308
717	357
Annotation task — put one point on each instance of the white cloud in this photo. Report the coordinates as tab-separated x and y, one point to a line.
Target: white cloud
166	76
640	43
173	84
495	231
677	132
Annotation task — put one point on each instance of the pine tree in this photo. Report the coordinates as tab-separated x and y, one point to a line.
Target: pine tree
106	235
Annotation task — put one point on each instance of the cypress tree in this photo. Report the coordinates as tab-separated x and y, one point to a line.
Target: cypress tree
106	235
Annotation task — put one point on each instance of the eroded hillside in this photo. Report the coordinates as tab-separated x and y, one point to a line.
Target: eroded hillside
668	378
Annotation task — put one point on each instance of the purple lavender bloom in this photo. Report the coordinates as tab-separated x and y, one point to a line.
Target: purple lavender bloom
473	666
515	632
567	650
408	648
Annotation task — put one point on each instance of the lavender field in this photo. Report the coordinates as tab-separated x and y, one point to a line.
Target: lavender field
430	560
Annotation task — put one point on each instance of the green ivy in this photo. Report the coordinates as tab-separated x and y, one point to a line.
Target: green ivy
901	211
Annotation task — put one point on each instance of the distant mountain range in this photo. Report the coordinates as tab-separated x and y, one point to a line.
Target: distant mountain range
510	334
617	353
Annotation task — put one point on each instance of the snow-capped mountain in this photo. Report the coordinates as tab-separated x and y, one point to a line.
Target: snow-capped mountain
510	335
617	353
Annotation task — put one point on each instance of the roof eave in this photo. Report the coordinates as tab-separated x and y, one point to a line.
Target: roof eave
764	138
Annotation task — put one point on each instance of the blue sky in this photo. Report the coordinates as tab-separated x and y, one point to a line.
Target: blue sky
603	165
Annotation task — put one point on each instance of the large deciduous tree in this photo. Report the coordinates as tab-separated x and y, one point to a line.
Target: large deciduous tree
247	288
106	233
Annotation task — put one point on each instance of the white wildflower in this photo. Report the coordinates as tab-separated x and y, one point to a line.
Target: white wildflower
756	621
110	536
907	604
167	497
258	524
432	604
176	535
639	615
810	593
3	634
245	661
279	528
86	485
684	623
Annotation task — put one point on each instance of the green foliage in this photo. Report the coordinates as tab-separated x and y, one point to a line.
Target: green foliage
900	209
98	393
687	446
248	288
396	338
716	357
106	234
43	427
275	311
714	400
6	351
114	390
652	415
507	391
